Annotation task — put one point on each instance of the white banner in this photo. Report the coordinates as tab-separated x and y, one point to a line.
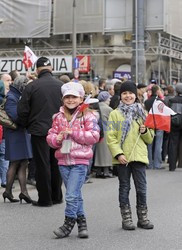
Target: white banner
173	18
25	18
88	15
60	64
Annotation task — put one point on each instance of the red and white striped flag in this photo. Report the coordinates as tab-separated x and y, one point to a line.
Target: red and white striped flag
159	116
29	58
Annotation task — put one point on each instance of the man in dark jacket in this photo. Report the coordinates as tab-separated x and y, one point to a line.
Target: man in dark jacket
175	136
40	100
115	99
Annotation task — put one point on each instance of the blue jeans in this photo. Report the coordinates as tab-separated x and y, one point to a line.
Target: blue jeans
73	177
137	170
3	163
155	150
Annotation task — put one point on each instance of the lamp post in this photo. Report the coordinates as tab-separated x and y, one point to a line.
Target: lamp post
74	37
138	61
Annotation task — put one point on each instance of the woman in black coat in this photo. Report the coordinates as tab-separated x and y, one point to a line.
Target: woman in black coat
18	145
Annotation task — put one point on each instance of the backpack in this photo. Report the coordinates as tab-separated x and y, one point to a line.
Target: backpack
5	120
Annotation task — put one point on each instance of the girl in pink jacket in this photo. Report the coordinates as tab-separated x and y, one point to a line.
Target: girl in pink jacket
73	138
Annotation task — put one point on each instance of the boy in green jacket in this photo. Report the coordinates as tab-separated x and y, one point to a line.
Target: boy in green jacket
127	139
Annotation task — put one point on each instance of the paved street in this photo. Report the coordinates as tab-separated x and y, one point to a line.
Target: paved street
24	226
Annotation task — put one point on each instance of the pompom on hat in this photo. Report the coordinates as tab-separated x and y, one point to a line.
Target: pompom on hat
128	86
72	88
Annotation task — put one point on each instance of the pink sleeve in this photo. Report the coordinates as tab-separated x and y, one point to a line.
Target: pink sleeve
52	135
90	133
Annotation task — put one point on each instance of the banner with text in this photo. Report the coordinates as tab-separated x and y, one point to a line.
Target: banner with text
60	64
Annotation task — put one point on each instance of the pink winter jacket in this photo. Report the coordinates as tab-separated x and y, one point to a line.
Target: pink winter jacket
85	133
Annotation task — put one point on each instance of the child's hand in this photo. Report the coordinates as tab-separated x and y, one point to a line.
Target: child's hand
142	129
122	159
67	131
59	137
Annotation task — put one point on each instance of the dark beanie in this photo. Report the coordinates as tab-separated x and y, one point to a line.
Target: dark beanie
128	86
43	62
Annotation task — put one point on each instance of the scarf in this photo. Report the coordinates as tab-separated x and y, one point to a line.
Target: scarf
130	112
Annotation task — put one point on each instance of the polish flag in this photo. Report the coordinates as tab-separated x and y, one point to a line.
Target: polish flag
29	58
159	116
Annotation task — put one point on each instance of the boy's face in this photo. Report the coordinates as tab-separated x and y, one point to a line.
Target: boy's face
128	97
71	101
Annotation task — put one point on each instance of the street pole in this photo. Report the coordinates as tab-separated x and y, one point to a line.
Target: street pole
136	40
74	36
138	61
170	62
159	59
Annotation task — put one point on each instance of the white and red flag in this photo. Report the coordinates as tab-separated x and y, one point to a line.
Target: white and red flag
84	105
159	116
29	58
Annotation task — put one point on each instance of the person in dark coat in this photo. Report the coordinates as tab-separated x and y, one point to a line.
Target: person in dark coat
175	136
3	163
18	144
41	99
115	99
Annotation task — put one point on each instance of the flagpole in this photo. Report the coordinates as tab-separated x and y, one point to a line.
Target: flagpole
133	149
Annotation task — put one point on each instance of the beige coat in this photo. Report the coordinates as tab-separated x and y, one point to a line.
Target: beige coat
103	156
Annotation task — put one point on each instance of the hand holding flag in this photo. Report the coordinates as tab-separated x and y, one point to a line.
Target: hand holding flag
29	58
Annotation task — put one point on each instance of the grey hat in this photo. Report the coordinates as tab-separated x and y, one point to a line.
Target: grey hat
20	83
103	96
179	88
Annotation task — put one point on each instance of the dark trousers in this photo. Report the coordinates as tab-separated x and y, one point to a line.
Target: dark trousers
31	169
137	170
165	145
175	137
48	179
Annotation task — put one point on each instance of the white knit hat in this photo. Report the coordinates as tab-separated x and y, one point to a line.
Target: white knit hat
72	88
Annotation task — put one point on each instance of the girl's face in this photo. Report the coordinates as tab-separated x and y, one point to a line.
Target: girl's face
128	97
71	101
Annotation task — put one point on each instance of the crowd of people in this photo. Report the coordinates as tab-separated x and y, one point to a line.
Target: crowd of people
59	139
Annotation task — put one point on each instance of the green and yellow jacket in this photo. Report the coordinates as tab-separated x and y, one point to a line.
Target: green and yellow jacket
114	133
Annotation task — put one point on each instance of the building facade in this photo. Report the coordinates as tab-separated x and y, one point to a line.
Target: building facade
104	35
